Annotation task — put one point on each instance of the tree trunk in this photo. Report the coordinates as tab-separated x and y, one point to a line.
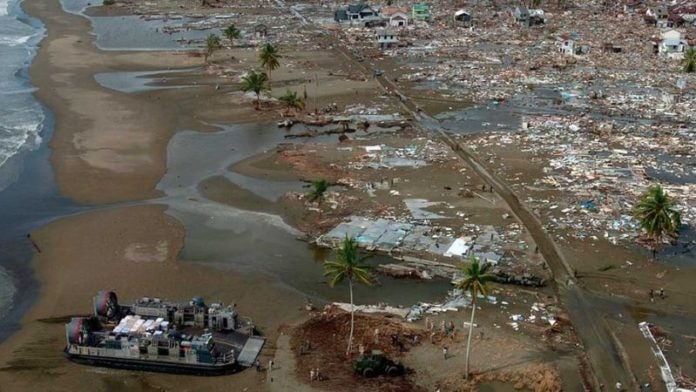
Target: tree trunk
471	332
352	320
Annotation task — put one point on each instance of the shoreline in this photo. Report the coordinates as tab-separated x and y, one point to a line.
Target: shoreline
110	148
86	144
63	72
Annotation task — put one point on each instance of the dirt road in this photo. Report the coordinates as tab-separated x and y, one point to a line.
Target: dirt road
607	364
591	327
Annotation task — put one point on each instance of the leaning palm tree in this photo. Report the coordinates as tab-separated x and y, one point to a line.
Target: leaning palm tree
319	187
350	265
689	61
292	101
257	82
232	33
657	217
270	58
212	44
475	278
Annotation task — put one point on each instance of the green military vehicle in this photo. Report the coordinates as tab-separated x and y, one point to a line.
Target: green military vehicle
374	364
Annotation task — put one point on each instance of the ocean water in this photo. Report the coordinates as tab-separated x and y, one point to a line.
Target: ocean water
21	115
24	185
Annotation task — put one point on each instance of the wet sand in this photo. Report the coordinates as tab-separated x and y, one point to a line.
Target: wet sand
107	148
127	250
111	147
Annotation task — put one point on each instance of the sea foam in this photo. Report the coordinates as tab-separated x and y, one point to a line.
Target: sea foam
4	7
21	115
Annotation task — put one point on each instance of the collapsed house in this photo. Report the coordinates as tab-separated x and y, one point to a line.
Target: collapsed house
462	18
569	47
528	18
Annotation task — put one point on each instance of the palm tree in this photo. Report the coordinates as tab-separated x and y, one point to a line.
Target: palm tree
231	33
255	81
476	277
351	266
292	101
689	61
270	58
212	44
658	217
318	188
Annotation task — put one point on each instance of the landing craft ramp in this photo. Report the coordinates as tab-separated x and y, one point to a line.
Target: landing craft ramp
250	351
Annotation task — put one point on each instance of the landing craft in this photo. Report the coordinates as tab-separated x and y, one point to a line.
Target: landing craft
155	335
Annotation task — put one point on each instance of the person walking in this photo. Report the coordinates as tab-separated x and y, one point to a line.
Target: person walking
444	352
651	294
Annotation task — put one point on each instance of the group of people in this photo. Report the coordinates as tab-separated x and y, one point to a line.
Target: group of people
259	369
660	293
315	375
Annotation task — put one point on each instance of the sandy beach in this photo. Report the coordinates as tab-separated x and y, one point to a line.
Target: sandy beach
110	148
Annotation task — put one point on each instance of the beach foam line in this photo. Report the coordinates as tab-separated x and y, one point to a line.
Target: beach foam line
19	136
14	41
4	7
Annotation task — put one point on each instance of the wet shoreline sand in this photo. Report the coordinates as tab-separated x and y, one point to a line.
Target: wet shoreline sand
109	148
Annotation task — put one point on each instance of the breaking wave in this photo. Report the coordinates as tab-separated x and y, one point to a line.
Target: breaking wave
21	115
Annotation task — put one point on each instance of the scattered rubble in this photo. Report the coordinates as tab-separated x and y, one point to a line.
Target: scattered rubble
601	168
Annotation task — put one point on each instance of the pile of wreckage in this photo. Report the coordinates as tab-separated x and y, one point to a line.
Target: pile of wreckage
540	315
595	51
429	251
413	155
603	168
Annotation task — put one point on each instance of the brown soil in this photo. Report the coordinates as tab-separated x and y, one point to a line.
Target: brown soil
537	378
326	334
